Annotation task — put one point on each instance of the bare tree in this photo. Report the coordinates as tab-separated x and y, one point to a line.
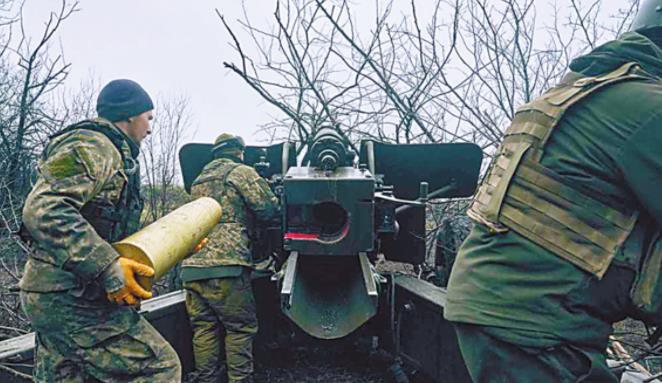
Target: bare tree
69	106
40	74
508	65
315	68
26	119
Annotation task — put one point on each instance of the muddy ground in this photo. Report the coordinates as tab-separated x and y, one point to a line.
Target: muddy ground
332	362
322	364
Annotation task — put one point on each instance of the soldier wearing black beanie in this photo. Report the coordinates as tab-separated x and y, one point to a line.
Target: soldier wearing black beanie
78	290
121	99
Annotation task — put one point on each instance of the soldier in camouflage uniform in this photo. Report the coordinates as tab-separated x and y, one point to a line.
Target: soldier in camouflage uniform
568	221
217	279
76	289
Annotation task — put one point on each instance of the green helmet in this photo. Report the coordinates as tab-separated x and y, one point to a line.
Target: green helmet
227	143
649	15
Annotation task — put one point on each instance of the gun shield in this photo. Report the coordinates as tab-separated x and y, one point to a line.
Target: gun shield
171	238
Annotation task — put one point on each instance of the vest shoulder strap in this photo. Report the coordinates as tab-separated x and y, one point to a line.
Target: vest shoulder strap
223	177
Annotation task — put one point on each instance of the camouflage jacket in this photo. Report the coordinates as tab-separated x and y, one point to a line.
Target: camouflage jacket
78	167
245	198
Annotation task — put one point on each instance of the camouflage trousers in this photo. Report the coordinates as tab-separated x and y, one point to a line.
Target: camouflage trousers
81	340
222	305
493	360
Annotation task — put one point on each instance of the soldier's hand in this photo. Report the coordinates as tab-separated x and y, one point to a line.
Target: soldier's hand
129	292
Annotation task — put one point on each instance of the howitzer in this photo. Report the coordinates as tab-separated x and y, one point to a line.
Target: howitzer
340	214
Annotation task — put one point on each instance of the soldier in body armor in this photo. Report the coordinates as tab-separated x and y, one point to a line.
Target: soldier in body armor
76	289
567	233
217	280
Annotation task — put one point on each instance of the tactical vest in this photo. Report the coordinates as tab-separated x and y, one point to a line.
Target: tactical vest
114	222
522	195
223	177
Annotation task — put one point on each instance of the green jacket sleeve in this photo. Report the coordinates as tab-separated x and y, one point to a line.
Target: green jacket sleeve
256	193
641	164
74	172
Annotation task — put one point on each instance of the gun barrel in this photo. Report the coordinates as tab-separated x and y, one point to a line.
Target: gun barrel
329	150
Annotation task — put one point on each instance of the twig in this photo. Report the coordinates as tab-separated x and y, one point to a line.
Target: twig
624	355
15	372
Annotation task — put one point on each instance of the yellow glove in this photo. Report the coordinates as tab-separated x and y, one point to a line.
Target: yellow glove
131	292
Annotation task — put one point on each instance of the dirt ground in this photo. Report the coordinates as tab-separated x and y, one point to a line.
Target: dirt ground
322	364
331	361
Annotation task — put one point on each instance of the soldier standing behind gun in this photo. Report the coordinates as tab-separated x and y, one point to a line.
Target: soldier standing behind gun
568	228
217	279
76	288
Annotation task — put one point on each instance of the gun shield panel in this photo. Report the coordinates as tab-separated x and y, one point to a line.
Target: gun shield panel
194	156
405	166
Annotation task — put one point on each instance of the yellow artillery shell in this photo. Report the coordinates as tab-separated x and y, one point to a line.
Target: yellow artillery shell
171	238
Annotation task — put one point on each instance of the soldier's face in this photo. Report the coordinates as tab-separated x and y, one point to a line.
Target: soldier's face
140	126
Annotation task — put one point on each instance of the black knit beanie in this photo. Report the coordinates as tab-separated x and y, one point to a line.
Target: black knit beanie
121	99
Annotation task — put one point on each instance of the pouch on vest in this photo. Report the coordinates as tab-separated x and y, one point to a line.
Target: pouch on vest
646	293
223	178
